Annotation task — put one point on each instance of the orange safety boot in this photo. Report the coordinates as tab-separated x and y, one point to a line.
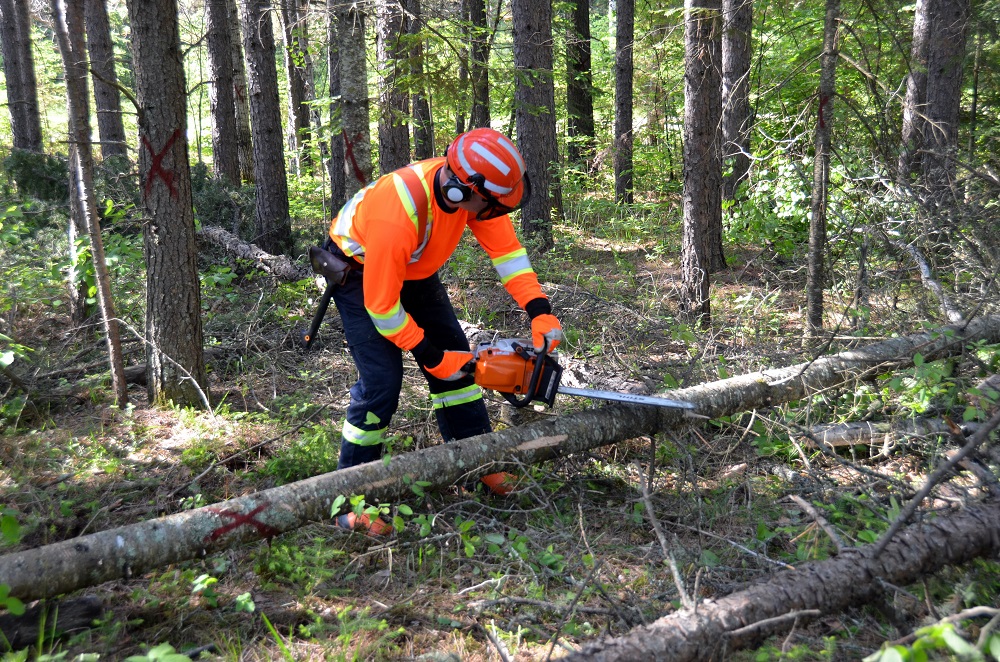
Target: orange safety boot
500	483
372	527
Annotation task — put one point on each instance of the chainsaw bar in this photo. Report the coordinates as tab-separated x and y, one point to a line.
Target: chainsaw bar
632	398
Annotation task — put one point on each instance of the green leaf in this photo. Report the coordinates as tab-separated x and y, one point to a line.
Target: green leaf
994	646
6	358
918	359
957	644
405	510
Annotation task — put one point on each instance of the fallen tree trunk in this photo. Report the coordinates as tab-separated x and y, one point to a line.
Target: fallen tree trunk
137	548
855	577
280	266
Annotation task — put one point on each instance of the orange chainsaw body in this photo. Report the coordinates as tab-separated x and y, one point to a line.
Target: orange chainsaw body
510	367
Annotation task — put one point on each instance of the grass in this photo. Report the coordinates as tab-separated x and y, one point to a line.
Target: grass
571	557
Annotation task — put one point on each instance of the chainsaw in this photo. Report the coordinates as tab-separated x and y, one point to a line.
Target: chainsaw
520	374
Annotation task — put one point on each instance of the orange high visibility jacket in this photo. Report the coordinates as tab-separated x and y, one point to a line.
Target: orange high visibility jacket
398	231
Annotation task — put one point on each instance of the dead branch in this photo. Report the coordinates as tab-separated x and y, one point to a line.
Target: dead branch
280	266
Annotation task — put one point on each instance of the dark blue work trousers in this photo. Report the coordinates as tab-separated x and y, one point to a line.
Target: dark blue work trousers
375	396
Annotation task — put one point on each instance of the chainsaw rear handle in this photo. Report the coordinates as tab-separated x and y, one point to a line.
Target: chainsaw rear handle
533	384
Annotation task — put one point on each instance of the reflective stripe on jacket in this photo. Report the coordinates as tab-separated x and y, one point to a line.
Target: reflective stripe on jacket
395	227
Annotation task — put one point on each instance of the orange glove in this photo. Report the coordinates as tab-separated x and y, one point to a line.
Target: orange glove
451	366
545	327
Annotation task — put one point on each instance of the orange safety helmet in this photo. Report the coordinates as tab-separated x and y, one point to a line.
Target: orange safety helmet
487	162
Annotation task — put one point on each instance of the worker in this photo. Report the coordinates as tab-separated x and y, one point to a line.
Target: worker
396	233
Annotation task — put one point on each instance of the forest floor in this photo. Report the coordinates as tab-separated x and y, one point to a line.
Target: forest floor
570	557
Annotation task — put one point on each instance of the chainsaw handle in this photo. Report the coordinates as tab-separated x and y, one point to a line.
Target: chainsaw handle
536	373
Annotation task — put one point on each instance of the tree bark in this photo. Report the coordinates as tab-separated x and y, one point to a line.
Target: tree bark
479	65
241	104
816	274
623	138
336	165
354	96
534	103
737	25
945	60
855	577
916	96
394	106
70	31
579	86
225	148
107	98
272	224
702	203
296	48
174	356
130	550
19	71
423	121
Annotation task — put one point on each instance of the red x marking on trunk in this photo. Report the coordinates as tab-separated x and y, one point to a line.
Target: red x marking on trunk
156	168
240	519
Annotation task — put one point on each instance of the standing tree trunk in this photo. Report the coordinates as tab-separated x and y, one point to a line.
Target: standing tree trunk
19	70
479	65
579	85
737	23
816	276
175	363
107	98
69	24
225	149
624	37
702	163
945	59
244	140
463	68
296	49
534	101
336	165
394	107
354	96
272	225
423	122
916	95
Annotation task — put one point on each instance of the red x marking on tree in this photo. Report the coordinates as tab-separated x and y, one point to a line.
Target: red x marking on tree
349	155
156	167
239	520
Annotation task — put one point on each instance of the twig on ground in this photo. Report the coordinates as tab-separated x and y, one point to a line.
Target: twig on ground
820	520
790	616
572	607
667	552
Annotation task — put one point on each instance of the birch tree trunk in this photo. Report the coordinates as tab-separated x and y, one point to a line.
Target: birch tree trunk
130	550
70	31
816	274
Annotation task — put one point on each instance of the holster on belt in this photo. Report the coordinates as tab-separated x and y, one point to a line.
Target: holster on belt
328	265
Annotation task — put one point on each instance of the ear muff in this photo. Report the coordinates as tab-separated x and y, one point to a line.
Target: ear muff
455	191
